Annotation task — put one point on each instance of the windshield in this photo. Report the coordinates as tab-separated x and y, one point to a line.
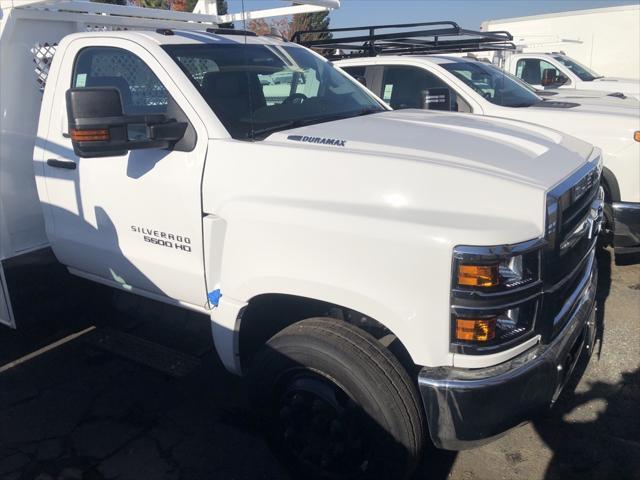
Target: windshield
584	73
493	84
257	89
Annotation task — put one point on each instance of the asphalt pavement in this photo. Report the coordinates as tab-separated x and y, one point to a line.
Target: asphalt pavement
137	392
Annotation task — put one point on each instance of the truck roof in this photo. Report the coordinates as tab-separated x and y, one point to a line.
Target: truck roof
194	37
437	59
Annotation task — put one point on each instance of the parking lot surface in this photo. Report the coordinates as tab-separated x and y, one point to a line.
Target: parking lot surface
138	393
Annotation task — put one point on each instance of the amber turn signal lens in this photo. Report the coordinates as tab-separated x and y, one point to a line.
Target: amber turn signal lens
475	330
478	275
89	135
636	136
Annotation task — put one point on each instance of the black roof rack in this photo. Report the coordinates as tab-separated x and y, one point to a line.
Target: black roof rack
431	37
231	31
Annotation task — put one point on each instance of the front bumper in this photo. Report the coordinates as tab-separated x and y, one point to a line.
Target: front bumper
626	235
469	407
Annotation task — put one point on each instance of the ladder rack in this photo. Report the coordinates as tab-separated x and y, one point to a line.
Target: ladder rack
402	39
205	12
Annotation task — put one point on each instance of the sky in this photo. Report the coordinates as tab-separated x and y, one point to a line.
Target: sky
467	13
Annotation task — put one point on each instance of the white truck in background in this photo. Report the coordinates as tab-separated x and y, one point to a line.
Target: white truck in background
380	277
606	40
461	84
553	85
559	71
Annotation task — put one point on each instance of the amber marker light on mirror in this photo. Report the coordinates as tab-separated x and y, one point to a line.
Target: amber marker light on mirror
100	135
475	329
636	136
478	275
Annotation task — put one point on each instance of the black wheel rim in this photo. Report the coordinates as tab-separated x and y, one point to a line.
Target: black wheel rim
320	427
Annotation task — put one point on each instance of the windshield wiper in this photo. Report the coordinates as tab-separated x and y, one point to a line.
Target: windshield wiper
253	134
302	122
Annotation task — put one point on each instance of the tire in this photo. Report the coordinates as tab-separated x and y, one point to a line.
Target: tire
336	404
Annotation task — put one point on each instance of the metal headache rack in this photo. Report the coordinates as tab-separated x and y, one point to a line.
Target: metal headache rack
414	39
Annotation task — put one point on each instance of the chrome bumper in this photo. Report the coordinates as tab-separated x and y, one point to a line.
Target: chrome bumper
469	407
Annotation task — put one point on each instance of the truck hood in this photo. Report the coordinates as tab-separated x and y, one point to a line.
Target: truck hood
629	109
628	86
511	149
607	127
592	97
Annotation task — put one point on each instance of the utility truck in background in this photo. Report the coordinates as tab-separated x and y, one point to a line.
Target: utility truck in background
380	277
605	40
422	75
559	71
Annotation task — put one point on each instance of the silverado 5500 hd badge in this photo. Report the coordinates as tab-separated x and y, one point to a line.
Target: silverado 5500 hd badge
163	239
318	140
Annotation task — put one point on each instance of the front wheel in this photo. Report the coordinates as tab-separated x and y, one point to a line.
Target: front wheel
336	404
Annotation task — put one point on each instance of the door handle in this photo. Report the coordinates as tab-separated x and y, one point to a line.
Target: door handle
68	164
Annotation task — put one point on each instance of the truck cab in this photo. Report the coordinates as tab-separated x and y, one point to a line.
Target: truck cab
557	70
368	271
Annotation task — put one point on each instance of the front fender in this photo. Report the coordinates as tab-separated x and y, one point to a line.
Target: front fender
369	232
395	272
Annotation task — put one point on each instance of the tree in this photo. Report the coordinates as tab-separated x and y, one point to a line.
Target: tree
112	2
183	5
289	25
164	4
260	26
311	21
280	26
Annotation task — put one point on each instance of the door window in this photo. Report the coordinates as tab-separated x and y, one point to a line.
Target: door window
531	69
359	73
355	71
413	87
140	89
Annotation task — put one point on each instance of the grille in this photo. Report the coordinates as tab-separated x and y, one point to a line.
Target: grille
568	229
570	238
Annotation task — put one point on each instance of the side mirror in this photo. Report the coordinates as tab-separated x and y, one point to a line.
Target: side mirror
436	99
549	77
99	128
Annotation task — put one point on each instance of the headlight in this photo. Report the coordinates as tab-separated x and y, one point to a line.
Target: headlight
495	294
496	268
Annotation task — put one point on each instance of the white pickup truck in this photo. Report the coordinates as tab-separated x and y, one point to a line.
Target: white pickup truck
451	83
557	70
381	277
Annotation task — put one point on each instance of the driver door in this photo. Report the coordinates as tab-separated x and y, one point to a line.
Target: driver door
131	220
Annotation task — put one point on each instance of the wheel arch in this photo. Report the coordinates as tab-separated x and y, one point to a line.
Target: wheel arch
267	314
